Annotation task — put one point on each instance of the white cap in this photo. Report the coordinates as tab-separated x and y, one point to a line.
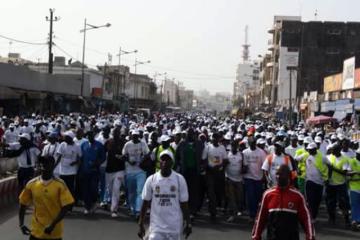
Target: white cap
311	146
260	141
358	151
164	138
308	140
318	139
238	136
227	136
135	132
341	136
167	152
301	137
69	134
25	135
333	137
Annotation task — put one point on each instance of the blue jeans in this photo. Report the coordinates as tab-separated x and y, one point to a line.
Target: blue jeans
355	206
253	191
89	188
135	184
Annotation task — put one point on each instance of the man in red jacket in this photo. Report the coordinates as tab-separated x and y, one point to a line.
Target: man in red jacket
282	208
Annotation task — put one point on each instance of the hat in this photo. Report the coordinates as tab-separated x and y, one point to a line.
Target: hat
53	135
11	125
308	140
238	136
311	146
164	138
318	139
341	136
69	134
333	137
260	141
168	153
135	132
279	143
25	135
301	138
358	151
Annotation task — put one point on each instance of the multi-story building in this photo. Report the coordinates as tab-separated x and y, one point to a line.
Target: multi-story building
265	80
169	92
316	48
247	81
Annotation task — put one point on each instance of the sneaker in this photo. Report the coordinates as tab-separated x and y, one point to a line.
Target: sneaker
239	214
86	212
114	215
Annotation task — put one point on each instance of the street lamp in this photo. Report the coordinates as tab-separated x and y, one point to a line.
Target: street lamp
140	63
86	28
123	52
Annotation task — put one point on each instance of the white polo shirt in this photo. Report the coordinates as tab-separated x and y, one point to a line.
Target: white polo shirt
165	194
69	154
33	154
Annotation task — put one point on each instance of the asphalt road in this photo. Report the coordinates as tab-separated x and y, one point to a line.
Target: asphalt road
101	226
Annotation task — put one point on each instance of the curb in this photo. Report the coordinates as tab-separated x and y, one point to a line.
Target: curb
8	185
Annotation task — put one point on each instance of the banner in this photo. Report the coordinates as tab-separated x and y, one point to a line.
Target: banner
357	78
333	83
348	74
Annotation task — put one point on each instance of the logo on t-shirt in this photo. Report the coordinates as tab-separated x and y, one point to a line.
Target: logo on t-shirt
157	189
172	188
291	205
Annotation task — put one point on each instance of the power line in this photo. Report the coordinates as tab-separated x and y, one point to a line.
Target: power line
21	41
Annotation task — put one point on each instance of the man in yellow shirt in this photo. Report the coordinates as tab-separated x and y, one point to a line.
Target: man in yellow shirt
51	200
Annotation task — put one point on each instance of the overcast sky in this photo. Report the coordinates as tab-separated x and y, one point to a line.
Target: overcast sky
197	42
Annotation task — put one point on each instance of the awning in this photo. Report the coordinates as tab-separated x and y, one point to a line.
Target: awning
340	115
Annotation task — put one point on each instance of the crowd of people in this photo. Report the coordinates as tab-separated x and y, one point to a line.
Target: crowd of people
224	164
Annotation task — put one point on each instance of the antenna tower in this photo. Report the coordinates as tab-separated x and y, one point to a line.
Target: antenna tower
246	45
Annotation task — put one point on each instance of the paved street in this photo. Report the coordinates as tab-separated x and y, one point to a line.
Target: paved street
101	227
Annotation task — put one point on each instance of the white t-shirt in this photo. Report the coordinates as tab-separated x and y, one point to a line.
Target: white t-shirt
290	150
165	194
350	153
254	161
10	136
276	162
32	153
69	154
136	153
52	150
233	169
312	173
214	155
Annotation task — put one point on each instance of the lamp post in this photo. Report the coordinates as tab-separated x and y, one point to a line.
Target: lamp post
86	28
290	69
123	52
135	86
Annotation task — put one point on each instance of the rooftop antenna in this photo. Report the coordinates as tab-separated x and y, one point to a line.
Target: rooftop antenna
246	46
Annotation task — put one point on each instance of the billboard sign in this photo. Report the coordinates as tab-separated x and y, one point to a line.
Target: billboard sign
333	83
357	78
348	74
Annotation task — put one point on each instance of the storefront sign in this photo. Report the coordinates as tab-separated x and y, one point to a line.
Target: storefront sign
333	83
348	74
328	106
357	78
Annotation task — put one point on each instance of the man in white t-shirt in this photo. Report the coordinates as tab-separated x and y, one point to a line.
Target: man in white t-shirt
69	158
273	161
254	176
50	150
135	151
214	155
166	191
293	147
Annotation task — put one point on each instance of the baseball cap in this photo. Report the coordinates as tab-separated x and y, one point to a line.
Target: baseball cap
69	134
311	146
25	135
164	138
318	139
168	153
308	140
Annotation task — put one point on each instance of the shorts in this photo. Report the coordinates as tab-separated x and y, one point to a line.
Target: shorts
164	236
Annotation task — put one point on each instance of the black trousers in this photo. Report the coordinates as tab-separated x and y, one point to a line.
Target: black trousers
215	181
193	182
70	183
313	194
337	194
24	175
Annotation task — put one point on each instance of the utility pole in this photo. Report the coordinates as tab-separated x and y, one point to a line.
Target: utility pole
51	19
290	69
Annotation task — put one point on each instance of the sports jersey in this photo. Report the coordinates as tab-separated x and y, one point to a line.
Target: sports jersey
47	199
